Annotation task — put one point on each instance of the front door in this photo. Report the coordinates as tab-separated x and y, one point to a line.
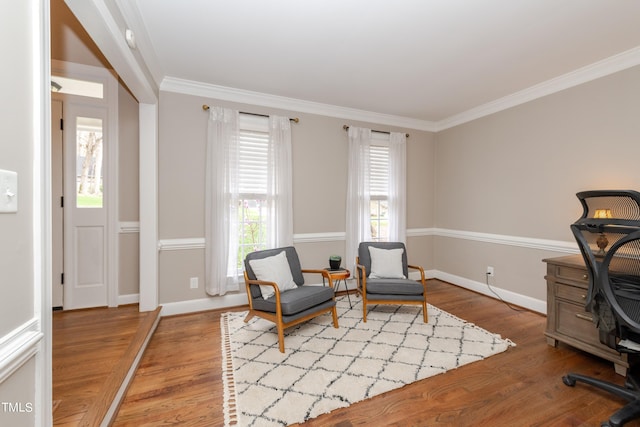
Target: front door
85	207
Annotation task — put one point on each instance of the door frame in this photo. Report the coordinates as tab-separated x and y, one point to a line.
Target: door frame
109	103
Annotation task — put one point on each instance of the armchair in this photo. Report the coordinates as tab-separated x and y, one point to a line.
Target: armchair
614	286
274	281
383	277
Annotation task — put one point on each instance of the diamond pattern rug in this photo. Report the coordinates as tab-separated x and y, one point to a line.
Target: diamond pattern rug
324	368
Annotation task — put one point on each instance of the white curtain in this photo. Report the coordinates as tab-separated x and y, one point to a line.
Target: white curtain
221	201
279	188
397	187
358	227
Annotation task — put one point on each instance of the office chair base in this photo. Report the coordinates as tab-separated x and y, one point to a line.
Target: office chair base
629	392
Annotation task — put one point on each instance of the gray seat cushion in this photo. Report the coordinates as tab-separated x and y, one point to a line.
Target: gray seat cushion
295	301
396	287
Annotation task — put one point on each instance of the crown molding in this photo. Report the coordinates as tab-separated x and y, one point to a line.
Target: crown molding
613	64
190	87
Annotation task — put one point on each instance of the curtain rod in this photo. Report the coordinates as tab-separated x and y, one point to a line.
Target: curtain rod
205	107
346	127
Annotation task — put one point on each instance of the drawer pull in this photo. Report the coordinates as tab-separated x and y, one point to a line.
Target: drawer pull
583	296
584	317
584	277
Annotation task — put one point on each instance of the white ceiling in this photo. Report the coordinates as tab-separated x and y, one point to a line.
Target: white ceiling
424	60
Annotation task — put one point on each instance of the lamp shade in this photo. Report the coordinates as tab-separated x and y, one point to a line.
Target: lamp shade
602	213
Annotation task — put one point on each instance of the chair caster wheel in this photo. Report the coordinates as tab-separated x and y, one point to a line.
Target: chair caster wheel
568	381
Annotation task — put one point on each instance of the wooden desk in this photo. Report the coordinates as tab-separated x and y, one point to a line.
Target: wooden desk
567	320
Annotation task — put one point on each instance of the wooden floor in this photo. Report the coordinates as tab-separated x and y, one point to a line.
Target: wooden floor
93	351
179	378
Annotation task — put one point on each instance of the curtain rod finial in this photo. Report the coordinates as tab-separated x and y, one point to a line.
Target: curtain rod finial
205	107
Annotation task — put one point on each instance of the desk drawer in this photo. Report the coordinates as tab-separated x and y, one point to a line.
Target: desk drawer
571	293
573	321
574	274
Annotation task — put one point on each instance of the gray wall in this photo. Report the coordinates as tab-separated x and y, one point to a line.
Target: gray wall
319	187
511	175
515	173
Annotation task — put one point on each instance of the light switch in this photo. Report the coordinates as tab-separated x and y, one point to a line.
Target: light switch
8	191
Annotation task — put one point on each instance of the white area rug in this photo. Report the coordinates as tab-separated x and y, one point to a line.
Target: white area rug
324	368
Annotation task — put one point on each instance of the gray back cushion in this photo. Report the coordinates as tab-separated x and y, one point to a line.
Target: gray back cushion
292	258
365	256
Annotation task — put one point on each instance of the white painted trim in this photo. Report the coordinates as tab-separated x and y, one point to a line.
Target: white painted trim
533	304
203	304
613	64
181	244
125	227
189	87
18	346
499	239
148	239
522	242
34	338
112	193
419	232
319	237
128	299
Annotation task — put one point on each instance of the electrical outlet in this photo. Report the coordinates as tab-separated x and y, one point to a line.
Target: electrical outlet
490	271
193	282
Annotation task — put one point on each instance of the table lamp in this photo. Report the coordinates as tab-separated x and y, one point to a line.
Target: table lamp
602	241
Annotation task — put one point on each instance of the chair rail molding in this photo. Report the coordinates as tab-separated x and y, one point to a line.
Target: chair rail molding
177	244
18	346
501	239
125	227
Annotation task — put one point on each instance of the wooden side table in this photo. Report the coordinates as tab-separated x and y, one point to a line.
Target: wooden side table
337	276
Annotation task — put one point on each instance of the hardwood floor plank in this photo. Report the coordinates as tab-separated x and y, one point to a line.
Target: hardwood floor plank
93	350
179	378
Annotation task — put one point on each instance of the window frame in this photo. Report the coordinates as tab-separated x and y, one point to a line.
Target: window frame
379	199
259	126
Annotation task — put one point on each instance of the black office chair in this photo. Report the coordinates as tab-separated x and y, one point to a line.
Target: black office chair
612	219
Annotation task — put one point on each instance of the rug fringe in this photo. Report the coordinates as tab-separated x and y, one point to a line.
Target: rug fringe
229	406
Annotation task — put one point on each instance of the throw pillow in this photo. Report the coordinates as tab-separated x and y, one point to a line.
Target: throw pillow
273	269
386	263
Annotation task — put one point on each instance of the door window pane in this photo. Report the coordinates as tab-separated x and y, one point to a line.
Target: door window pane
89	150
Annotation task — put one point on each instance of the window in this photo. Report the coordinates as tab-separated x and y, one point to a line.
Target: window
247	192
379	188
252	185
89	162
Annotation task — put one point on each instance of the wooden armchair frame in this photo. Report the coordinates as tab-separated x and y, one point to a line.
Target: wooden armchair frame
277	317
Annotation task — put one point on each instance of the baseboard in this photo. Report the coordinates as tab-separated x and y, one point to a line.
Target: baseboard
235	300
128	299
532	304
203	304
